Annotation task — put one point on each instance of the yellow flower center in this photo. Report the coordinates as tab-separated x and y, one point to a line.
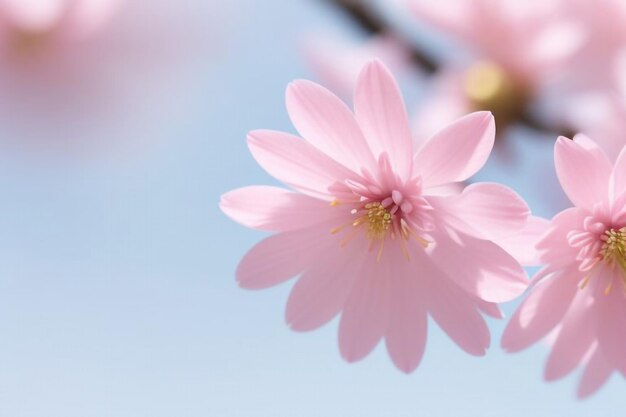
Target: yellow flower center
378	220
489	87
381	219
613	251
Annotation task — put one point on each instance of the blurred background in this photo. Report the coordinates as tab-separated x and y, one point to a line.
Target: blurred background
121	124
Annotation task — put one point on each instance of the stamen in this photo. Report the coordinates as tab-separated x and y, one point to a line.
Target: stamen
378	220
613	251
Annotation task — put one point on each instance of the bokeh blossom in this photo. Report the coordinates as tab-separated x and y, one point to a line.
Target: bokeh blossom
28	25
367	232
579	297
518	50
74	74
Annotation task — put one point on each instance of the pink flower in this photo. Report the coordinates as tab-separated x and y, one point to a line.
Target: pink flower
529	41
28	24
82	68
605	36
580	294
364	232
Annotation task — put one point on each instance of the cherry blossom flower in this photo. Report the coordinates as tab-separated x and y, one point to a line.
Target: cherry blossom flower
591	67
82	69
366	234
579	297
600	113
518	50
26	26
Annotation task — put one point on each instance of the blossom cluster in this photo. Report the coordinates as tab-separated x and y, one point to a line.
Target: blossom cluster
385	226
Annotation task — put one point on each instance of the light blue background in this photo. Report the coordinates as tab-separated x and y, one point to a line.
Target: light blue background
117	295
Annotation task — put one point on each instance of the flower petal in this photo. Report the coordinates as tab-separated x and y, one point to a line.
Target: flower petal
480	267
596	373
619	174
455	312
541	311
574	339
321	292
610	324
281	257
458	151
365	315
381	113
521	245
406	331
274	209
583	170
295	162
328	124
553	247
490	309
485	210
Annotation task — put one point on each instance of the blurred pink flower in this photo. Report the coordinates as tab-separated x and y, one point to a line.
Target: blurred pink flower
605	36
75	75
601	112
26	23
338	61
580	293
366	234
530	41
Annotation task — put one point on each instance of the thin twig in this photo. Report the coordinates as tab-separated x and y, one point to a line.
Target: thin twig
369	20
372	23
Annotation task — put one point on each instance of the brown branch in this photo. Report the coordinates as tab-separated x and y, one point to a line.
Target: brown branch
372	23
369	20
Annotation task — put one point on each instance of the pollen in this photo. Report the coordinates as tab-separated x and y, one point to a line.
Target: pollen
378	220
613	251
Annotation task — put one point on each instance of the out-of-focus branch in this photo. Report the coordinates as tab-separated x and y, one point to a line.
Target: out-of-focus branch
368	19
371	22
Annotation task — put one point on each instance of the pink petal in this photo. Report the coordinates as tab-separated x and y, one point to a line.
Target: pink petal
574	339
541	311
381	113
458	151
321	292
281	257
486	210
596	374
584	171
554	247
406	331
610	324
455	312
295	162
619	174
365	315
274	209
480	267
521	245
328	124
490	309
